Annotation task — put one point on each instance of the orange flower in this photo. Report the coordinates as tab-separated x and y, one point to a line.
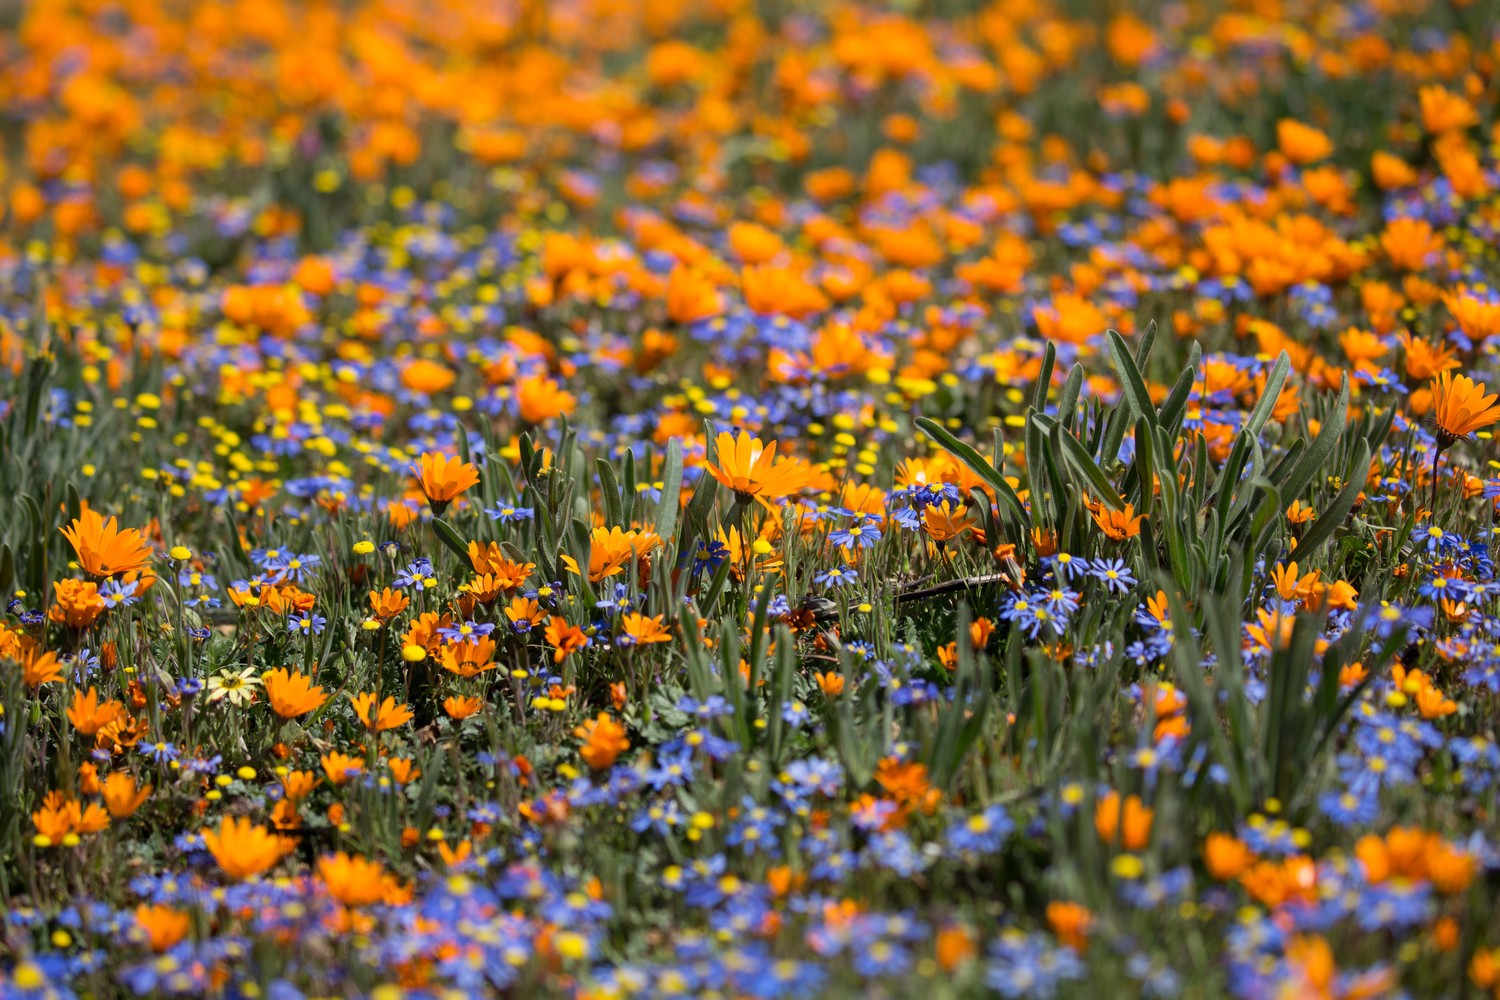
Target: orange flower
442	478
524	610
88	716
103	549
490	560
564	638
388	716
1226	856
692	296
161	926
954	947
244	850
1478	317
298	785
1275	882
1119	524
1424	360
1411	244
459	708
468	659
484	588
945	523
1302	144
61	818
77	603
1390	171
612	549
1110	815
749	468
540	399
1070	318
403	770
340	767
292	694
1445	111
38	667
770	290
427	377
388	603
354	881
1433	704
642	630
603	741
121	796
1459	407
1070	922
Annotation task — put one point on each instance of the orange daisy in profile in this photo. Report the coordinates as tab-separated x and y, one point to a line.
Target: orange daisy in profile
1460	407
749	467
443	478
103	548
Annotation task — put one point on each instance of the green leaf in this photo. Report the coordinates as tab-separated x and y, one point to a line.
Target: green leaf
667	508
1133	386
450	537
1044	378
1317	454
1079	457
614	515
1067	403
1274	381
703	500
1148	341
981	468
1337	511
628	490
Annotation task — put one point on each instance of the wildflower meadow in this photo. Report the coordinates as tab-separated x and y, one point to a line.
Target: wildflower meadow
749	499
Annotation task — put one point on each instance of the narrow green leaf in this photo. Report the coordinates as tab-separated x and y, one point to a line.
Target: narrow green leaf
1316	456
1274	381
1337	511
667	508
1044	378
981	468
1131	383
614	514
1080	459
450	537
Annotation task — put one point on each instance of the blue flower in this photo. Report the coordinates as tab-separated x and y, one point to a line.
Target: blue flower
981	833
1114	574
862	535
508	514
1028	965
415	575
465	631
837	576
307	623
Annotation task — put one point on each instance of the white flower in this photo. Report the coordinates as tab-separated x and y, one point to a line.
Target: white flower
238	688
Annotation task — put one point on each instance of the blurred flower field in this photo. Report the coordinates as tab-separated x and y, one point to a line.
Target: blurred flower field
750	498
